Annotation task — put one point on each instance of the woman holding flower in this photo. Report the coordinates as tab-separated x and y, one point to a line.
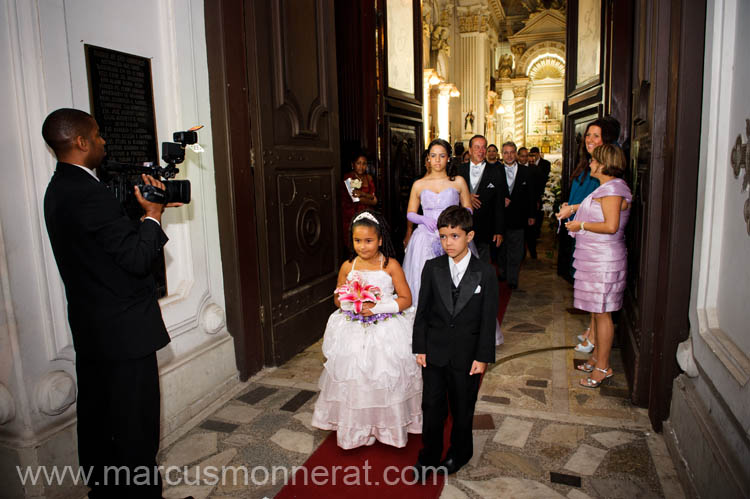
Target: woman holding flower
357	193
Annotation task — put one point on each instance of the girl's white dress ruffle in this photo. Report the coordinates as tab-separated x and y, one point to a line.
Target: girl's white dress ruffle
371	385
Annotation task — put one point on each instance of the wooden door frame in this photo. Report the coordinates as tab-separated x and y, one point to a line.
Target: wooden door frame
681	153
235	183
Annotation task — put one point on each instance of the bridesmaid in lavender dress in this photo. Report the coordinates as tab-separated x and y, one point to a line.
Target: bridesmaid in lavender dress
437	190
440	188
600	256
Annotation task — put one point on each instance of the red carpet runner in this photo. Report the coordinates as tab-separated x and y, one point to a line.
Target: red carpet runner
369	472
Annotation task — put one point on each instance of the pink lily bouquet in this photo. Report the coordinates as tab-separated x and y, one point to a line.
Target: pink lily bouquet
358	292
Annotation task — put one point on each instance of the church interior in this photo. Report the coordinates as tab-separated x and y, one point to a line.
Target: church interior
290	94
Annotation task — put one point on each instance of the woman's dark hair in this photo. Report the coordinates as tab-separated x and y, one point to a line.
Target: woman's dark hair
612	160
381	229
610	128
451	168
359	153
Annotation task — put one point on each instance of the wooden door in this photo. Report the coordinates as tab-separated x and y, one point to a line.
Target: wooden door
291	54
667	87
274	108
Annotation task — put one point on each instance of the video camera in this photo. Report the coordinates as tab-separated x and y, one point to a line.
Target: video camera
121	177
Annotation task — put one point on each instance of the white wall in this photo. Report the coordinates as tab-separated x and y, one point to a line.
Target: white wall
709	424
42	55
719	313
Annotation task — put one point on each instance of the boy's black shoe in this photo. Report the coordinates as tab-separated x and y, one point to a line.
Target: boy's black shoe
451	465
421	472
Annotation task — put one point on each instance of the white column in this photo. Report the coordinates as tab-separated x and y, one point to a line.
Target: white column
472	62
443	111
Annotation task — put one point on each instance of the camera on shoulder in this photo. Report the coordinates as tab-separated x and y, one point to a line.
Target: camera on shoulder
121	177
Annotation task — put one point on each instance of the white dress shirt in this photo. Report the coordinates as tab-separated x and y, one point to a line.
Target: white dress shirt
510	175
459	269
475	173
87	170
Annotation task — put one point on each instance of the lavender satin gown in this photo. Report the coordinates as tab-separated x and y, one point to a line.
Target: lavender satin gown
425	244
601	260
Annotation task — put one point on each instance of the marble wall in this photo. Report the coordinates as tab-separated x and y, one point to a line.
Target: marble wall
709	422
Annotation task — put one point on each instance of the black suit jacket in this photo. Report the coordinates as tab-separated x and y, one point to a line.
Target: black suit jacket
489	219
522	200
456	335
105	260
541	174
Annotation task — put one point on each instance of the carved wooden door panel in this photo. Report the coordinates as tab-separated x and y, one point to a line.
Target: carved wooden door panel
639	305
293	99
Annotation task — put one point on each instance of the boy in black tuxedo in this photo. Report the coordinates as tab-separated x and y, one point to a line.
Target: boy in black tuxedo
454	339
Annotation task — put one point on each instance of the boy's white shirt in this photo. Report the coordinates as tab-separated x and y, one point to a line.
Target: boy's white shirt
459	269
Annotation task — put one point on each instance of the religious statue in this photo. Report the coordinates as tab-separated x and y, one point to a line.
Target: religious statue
440	44
505	67
518	51
469	122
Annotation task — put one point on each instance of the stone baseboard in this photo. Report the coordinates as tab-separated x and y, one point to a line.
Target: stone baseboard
709	450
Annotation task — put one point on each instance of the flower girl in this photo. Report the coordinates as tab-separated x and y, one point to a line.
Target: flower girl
371	387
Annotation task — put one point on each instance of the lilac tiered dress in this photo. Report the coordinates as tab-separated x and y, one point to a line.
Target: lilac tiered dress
601	260
371	386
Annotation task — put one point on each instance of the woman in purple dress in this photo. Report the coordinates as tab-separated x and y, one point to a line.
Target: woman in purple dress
437	190
600	257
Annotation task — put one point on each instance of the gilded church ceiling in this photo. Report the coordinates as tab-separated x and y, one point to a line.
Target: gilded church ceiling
516	12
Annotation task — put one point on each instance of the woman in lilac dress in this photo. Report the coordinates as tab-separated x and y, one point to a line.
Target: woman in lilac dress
600	257
437	190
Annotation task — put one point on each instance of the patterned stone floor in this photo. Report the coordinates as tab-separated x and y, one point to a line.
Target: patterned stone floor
538	434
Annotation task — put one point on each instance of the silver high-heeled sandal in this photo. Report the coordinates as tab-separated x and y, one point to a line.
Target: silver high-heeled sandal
592	383
585	336
585	348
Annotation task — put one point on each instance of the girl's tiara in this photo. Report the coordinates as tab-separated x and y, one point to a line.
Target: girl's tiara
367	215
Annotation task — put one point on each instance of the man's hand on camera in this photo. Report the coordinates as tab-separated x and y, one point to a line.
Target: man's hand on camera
153	210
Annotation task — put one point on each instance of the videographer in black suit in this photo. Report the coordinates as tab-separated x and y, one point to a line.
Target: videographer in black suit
105	260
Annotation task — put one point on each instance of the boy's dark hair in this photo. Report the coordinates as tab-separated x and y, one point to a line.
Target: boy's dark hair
381	229
456	216
532	150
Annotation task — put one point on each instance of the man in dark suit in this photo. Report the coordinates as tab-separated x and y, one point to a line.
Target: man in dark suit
540	169
487	197
519	208
105	260
454	339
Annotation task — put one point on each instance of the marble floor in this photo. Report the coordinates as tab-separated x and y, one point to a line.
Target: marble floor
538	434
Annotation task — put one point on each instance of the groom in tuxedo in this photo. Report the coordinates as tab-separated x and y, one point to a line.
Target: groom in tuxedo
454	339
487	197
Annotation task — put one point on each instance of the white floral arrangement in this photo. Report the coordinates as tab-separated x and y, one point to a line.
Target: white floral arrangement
551	199
356	183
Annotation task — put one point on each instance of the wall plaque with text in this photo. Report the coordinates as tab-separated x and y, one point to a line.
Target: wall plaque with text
122	102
